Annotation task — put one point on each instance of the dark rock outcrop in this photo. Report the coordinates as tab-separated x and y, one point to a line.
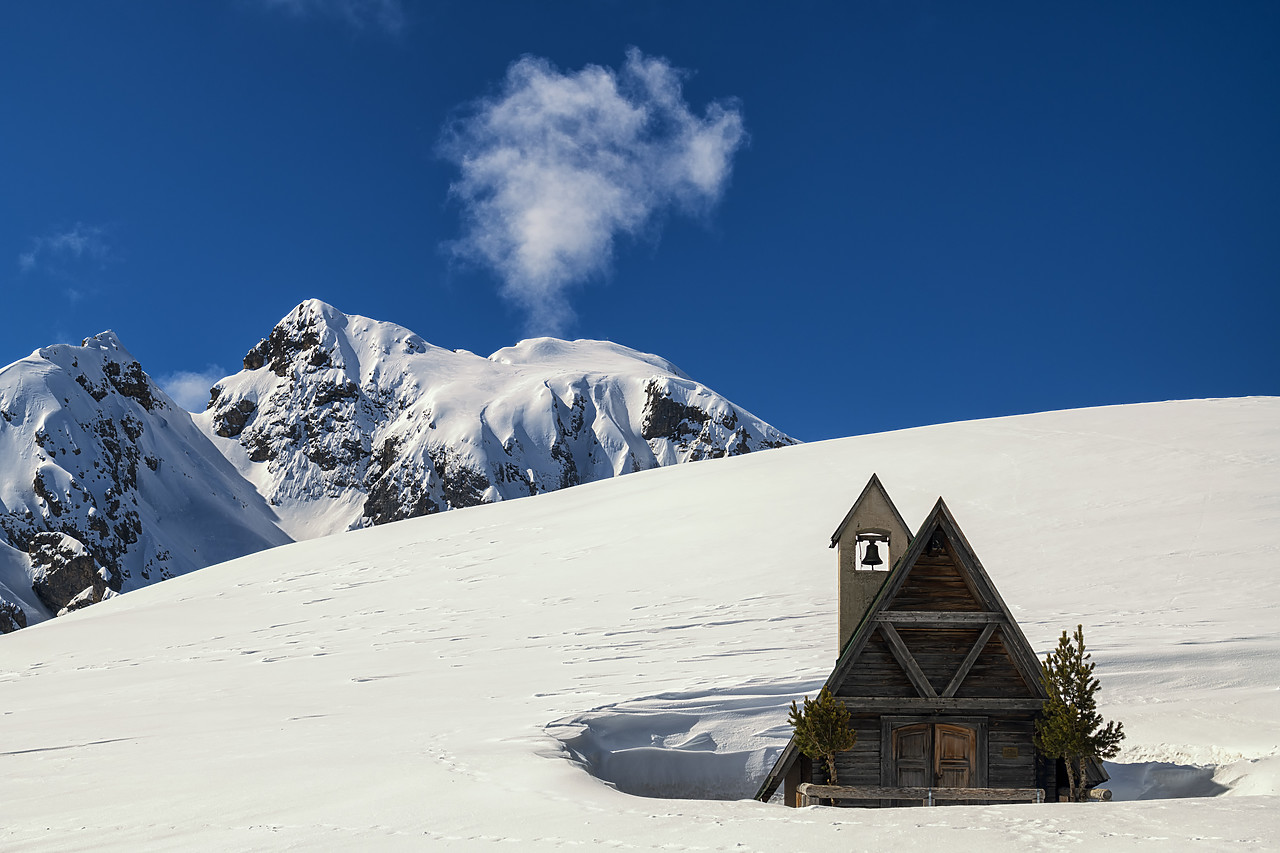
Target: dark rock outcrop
699	433
91	447
665	418
230	421
12	617
130	381
63	571
280	350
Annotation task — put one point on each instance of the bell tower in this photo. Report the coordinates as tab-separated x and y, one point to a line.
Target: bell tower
869	542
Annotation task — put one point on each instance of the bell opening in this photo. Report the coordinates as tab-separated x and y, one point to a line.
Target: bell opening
872	549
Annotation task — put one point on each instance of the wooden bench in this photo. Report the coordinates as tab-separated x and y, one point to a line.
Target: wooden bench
809	794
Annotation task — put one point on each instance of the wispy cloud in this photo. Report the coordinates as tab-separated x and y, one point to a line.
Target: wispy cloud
56	250
558	165
385	15
190	389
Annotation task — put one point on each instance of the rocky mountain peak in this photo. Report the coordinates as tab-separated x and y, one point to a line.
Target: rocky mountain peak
94	456
304	338
336	422
101	366
341	408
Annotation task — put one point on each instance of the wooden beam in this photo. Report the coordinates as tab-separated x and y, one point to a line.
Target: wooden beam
915	705
879	792
939	617
969	660
907	662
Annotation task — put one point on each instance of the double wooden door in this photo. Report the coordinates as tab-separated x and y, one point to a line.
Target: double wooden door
935	755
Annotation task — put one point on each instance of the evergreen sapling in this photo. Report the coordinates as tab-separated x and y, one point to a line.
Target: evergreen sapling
1070	726
822	729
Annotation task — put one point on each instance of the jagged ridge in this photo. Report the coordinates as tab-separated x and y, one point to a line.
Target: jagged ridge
342	421
335	422
108	485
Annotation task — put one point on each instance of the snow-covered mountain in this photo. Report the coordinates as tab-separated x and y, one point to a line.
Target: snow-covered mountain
106	485
391	688
336	422
341	421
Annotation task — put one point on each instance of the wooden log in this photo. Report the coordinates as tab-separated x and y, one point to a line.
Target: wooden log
939	617
900	651
1102	795
969	660
810	792
915	705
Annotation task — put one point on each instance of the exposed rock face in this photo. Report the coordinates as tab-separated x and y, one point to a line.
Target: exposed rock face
12	617
697	433
330	405
230	420
336	422
63	571
108	485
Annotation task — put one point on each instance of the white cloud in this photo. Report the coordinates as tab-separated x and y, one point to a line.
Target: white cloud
190	389
387	15
82	243
557	166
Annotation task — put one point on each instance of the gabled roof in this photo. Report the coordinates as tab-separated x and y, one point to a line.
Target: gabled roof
872	484
975	578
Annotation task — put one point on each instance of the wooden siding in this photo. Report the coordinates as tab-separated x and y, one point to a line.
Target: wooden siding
1005	735
877	673
939	647
938	651
1047	777
994	675
861	765
934	583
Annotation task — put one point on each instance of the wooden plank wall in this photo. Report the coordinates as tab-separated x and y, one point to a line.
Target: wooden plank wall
860	765
994	675
1011	732
938	651
934	584
876	673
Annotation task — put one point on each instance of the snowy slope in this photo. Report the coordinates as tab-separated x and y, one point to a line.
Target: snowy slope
107	483
338	422
391	688
343	422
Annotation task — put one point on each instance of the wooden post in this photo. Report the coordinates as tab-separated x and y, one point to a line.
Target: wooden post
789	784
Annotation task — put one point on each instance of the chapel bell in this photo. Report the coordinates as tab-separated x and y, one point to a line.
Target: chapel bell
871	554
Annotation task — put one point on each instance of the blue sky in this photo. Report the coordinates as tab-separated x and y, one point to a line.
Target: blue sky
847	217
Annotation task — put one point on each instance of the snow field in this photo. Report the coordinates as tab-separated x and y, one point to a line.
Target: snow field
394	686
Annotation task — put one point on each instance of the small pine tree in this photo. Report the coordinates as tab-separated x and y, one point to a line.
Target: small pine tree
822	729
1070	726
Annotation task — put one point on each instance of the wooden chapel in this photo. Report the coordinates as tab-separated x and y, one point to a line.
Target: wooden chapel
942	686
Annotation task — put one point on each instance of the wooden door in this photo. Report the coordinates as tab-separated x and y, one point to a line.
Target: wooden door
955	749
911	759
935	755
